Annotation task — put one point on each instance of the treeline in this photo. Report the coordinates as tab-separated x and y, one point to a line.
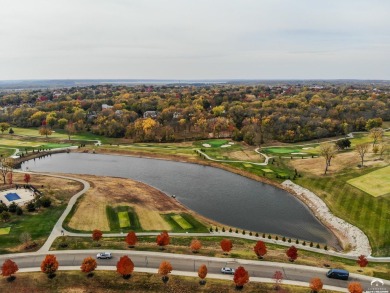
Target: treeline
254	114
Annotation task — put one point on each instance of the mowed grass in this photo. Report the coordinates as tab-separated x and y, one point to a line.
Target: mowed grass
181	222
376	183
124	220
5	231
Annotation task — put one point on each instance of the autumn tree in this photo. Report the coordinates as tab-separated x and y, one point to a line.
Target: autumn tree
315	285
162	239
27	178
131	239
241	277
125	267
226	245
362	149
278	278
44	130
195	245
292	253
49	265
355	287
70	129
362	261
376	134
97	235
327	151
8	269
164	269
88	266
382	148
202	273
4	126
6	166
260	249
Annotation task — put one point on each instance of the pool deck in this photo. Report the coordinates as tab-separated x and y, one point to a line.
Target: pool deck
25	196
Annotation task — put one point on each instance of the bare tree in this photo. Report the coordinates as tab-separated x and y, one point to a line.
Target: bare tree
382	148
362	149
376	134
328	151
6	166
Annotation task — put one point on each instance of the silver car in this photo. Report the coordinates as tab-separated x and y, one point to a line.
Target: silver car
104	255
228	271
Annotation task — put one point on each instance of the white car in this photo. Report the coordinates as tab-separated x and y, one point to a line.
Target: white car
227	270
104	255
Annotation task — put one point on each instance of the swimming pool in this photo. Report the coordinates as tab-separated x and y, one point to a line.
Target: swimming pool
12	196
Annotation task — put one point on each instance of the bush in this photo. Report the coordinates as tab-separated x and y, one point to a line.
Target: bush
311	244
284	239
250	233
230	230
223	229
269	236
326	247
30	206
304	243
318	245
236	230
243	232
211	229
263	235
216	229
289	240
257	234
46	202
297	241
12	207
19	211
276	238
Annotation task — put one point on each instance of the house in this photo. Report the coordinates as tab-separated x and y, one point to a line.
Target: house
105	106
150	114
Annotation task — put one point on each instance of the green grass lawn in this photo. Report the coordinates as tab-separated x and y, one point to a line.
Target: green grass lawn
5	231
124	220
292	151
376	183
181	222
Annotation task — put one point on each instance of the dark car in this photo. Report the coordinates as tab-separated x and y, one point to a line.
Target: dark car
338	274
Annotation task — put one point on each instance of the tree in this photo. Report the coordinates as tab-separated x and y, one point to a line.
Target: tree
49	265
355	287
376	134
328	151
362	149
292	253
241	277
343	143
97	235
226	245
125	267
382	148
315	285
27	178
164	269
25	238
195	245
278	277
88	266
362	261
260	249
6	166
4	127
44	130
162	239
372	123
5	216
202	273
131	239
70	129
8	269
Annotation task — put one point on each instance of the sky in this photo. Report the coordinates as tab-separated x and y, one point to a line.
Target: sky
194	39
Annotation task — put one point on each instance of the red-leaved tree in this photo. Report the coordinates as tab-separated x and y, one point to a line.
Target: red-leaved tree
8	269
362	261
292	253
316	285
195	245
125	267
88	266
202	273
260	249
241	277
355	287
226	245
27	178
162	239
49	265
97	235
278	277
164	269
131	239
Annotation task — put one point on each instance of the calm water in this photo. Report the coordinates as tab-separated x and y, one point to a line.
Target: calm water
228	198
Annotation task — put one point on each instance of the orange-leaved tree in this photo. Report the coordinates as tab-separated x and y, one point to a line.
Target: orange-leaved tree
226	245
8	269
278	277
131	239
195	245
362	261
202	273
97	235
316	285
88	266
241	277
125	267
162	239
292	253
49	265
164	269
355	287
260	249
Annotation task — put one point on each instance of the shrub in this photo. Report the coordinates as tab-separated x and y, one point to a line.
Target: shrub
19	211
12	207
284	239
311	244
243	232
223	229
297	241
326	247
230	230
46	202
269	237
236	230
30	206
289	240
276	238
318	246
257	234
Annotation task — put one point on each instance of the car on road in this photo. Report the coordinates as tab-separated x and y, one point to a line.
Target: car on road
104	255
338	274
227	270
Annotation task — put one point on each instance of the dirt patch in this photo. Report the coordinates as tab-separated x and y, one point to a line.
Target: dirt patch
151	219
245	155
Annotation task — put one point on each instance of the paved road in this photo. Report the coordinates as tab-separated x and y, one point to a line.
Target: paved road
189	263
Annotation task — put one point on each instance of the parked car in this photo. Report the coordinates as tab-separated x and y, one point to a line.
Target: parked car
227	270
104	255
338	274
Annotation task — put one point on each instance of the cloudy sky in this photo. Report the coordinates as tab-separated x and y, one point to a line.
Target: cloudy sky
195	39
